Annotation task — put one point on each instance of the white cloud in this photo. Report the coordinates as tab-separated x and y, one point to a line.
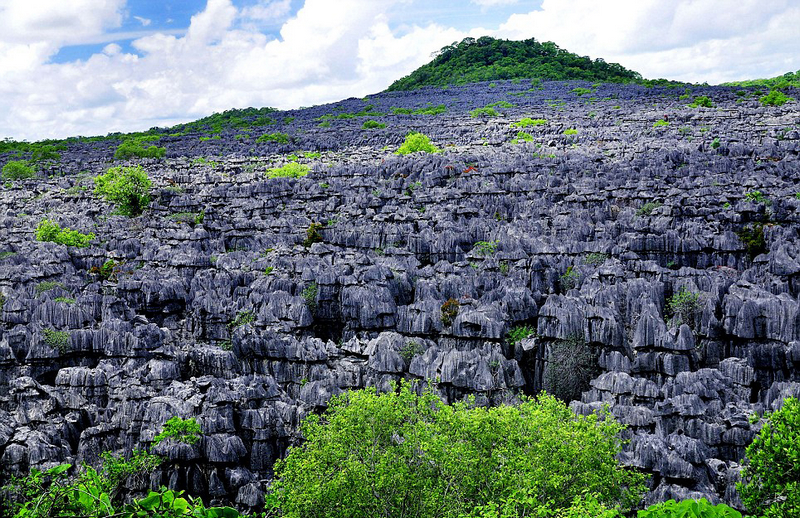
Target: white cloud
691	40
144	21
492	3
333	50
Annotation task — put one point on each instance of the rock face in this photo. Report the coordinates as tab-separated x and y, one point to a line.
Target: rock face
218	310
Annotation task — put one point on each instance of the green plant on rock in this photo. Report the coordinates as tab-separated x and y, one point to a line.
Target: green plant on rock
134	148
313	234
57	339
595	258
371	124
486	111
648	208
519	333
290	170
278	138
715	144
49	230
570	365
527	121
449	311
683	306
402	454
243	318
660	123
485	248
703	101
409	350
570	131
128	187
775	98
181	430
46	286
752	236
108	271
522	137
18	170
416	142
309	295
569	280
770	486
755	197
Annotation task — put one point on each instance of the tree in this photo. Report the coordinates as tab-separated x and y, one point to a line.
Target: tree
770	484
400	454
128	187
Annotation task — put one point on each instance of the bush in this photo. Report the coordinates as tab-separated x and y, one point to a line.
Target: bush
370	124
417	142
49	230
752	236
186	431
313	234
647	208
290	170
403	454
57	339
309	295
134	148
278	138
703	101
570	131
683	306
689	509
520	333
770	484
128	187
449	311
527	121
18	170
775	98
570	366
487	111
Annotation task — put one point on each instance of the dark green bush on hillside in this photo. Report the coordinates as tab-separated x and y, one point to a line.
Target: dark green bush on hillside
416	142
770	486
403	454
128	187
49	230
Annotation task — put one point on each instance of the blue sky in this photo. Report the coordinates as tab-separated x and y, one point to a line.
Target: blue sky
88	67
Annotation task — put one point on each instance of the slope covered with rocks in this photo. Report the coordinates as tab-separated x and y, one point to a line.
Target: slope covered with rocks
653	267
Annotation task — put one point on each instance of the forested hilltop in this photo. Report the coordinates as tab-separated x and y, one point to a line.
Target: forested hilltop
489	59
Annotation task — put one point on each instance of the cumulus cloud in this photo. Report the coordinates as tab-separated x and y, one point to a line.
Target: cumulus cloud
691	40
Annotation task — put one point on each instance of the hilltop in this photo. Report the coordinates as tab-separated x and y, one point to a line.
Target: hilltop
489	59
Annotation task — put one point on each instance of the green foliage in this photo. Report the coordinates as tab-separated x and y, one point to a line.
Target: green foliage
185	431
582	91
279	138
775	98
416	142
403	454
752	236
290	170
648	208
523	137
788	80
527	121
770	484
689	509
46	286
486	111
489	59
703	101
49	230
595	259
128	187
570	131
134	148
571	364
167	503
755	197
371	124
313	234
18	170
427	110
660	123
243	318
409	350
108	271
189	217
569	279
449	311
715	144
683	306
485	248
309	295
500	104
520	333
64	300
56	339
268	270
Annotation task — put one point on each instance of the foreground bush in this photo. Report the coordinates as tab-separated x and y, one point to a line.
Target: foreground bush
770	484
417	142
689	509
290	170
128	187
400	454
18	170
49	230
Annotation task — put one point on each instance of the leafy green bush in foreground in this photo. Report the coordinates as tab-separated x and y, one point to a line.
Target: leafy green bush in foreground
18	170
128	187
689	509
49	230
417	142
290	170
403	454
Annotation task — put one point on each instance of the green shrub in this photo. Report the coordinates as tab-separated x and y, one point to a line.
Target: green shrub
128	187
409	350
279	138
485	248
309	295
185	431
703	101
770	484
569	279
107	271
64	300
647	208
660	123
715	144
242	318
49	230
570	131
57	339
520	333
582	91
417	142
449	311
44	153
689	509
775	98
570	365
523	137
527	121
684	306
752	236
371	124
403	454
755	197
595	259
46	286
486	111
290	170
134	148
313	234
18	170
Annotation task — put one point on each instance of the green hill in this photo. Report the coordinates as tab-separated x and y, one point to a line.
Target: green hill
787	80
489	59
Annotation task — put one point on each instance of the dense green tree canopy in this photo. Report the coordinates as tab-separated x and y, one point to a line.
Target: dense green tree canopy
488	59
